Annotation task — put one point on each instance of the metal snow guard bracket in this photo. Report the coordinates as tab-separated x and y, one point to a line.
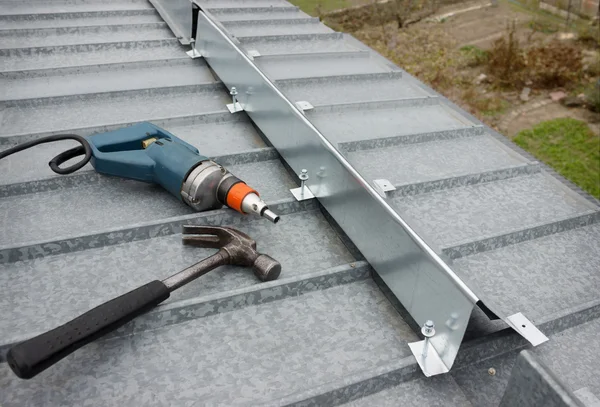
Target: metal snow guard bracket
178	16
424	284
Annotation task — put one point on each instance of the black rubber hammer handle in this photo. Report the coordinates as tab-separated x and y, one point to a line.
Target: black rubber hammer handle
35	355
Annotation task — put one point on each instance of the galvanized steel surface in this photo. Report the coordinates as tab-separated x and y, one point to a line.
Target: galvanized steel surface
323	334
533	384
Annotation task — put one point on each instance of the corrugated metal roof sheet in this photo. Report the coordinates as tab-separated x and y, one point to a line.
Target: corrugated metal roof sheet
323	333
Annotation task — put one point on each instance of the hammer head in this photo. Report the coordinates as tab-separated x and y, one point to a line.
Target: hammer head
240	247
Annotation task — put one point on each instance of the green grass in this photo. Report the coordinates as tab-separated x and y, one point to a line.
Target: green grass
570	147
474	55
544	26
313	7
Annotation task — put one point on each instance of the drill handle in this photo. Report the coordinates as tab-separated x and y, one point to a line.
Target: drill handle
129	152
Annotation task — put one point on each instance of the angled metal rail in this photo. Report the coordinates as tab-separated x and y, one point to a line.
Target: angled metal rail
424	284
178	15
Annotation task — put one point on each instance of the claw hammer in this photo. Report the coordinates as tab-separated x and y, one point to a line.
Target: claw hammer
35	355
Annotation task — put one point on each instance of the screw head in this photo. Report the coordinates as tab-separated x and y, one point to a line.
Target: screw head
428	329
492	371
233	91
303	175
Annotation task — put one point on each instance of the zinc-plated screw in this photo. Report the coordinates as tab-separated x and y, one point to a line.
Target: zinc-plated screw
452	322
428	330
492	371
233	92
303	177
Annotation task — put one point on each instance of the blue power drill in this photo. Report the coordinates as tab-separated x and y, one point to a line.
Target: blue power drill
147	153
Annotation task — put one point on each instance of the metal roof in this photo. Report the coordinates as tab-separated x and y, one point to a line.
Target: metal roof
325	332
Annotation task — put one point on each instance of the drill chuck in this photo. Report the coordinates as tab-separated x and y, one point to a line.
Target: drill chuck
210	186
252	203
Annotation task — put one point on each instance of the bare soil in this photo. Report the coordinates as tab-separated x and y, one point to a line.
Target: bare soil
482	27
433	49
551	111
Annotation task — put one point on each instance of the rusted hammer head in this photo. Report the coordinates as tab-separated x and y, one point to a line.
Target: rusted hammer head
240	247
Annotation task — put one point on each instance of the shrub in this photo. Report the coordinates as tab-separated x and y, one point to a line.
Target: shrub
546	66
592	95
506	59
589	35
554	64
474	55
543	25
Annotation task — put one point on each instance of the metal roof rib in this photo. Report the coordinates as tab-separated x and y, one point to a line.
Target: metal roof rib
81	55
329	331
40	37
102	78
77	19
258	13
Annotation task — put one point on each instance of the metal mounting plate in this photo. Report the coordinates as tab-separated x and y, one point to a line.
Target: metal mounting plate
297	192
304	105
253	53
235	107
432	364
382	186
526	329
193	53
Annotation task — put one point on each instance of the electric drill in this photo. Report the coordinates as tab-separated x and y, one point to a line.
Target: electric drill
146	152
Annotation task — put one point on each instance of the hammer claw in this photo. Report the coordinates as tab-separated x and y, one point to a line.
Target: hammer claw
209	241
206	236
200	230
240	250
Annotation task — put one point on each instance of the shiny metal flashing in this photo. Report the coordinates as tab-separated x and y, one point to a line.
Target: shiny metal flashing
414	272
178	15
424	284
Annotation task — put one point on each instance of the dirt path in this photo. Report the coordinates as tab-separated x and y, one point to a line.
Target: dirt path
483	26
534	112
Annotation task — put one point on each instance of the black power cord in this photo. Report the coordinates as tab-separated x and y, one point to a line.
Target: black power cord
84	149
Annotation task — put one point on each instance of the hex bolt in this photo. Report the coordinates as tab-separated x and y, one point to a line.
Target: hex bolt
233	94
428	331
303	177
